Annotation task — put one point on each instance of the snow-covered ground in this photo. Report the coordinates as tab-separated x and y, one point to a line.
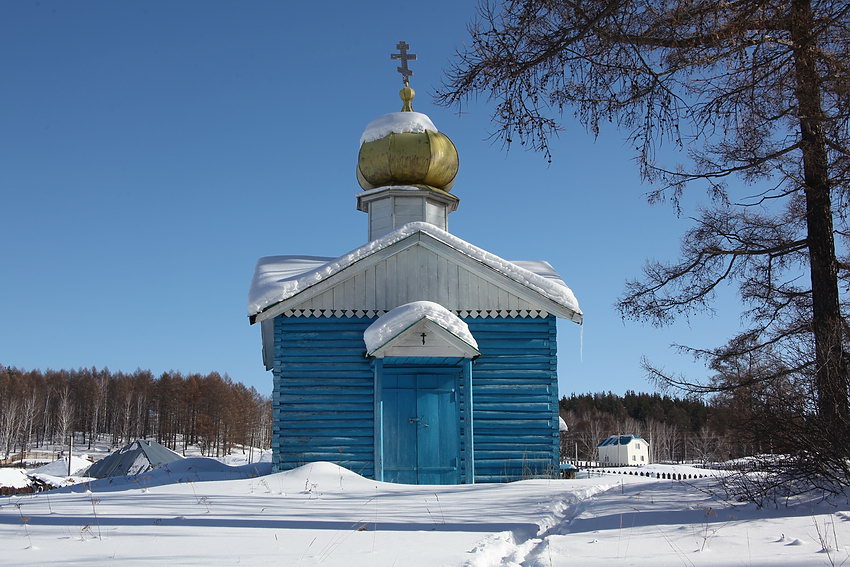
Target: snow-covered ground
203	512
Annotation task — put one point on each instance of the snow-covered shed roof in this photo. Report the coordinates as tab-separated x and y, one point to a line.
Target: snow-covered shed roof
137	457
59	467
13	478
278	278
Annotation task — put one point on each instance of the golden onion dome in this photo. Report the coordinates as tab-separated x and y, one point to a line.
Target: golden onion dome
405	148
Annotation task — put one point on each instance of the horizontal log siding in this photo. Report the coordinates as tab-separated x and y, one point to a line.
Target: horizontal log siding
323	396
323	399
515	398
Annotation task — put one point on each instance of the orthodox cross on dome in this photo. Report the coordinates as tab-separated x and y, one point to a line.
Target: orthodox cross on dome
405	71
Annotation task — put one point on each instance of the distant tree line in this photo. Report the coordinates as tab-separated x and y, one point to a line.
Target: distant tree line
678	429
212	411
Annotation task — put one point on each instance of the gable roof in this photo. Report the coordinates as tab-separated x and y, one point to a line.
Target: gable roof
137	457
278	280
392	332
619	440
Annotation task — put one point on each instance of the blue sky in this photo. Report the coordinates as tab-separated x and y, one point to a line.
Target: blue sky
150	152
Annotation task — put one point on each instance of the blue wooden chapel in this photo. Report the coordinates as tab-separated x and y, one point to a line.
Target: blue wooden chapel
418	357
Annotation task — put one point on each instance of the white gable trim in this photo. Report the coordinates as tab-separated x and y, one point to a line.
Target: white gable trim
500	280
335	279
532	289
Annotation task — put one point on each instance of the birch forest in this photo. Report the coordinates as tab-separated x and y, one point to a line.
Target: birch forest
42	409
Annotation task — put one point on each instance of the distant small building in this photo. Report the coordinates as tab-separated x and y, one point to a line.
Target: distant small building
624	450
138	457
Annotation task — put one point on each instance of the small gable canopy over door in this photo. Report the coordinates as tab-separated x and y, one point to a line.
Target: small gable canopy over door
421	328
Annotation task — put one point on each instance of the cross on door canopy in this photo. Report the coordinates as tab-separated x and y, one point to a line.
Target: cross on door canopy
404	56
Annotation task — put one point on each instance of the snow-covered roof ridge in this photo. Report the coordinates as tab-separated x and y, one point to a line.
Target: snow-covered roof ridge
276	278
396	123
397	320
619	439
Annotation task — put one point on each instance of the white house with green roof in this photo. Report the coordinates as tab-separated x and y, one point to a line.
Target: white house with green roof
624	450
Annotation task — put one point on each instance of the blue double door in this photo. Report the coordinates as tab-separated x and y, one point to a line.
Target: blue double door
421	426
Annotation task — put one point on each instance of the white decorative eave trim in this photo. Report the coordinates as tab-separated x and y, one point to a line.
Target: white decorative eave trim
371	313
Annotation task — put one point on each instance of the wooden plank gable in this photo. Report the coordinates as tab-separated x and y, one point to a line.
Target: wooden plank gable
415	269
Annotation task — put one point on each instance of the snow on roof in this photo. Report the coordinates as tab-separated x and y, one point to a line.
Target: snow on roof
139	456
562	425
541	268
59	481
395	321
396	123
59	467
291	267
277	278
13	478
619	440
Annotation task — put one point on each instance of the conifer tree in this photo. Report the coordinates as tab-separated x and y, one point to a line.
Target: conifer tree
752	90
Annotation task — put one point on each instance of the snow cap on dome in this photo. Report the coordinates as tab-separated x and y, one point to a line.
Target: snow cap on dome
396	123
405	148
